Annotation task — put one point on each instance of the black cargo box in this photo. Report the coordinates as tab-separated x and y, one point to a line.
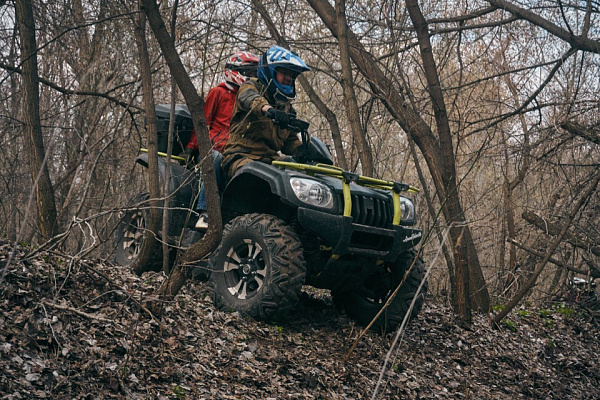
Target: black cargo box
183	127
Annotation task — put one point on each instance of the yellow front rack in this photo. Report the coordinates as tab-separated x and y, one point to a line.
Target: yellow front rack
348	177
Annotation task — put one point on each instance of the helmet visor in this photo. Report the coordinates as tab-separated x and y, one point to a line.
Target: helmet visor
246	70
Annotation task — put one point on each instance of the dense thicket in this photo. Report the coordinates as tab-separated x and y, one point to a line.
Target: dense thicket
521	100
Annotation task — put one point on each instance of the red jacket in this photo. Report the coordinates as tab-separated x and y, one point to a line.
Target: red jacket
218	107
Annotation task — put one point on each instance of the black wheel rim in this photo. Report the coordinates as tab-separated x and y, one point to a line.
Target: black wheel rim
245	269
133	236
376	289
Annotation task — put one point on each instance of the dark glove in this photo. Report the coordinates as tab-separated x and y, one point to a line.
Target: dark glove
279	117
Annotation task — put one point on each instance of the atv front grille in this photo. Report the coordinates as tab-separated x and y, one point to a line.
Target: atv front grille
371	211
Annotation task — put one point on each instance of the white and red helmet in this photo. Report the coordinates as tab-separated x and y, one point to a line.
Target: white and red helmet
240	66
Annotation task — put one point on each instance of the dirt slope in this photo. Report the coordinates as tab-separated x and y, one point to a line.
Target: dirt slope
76	330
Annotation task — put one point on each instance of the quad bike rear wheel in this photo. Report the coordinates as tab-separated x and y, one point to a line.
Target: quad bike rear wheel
258	269
363	304
131	233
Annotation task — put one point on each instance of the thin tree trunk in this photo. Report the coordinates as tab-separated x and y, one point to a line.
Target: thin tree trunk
433	214
352	111
153	225
464	259
195	104
511	185
12	227
166	209
38	167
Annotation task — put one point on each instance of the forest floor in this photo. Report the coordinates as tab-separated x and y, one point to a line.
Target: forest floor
77	329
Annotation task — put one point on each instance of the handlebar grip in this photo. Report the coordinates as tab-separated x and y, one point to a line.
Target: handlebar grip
298	125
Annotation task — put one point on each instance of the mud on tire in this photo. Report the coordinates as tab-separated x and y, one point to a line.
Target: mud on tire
363	305
258	269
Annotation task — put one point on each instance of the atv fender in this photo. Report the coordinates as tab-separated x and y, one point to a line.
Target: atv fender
264	189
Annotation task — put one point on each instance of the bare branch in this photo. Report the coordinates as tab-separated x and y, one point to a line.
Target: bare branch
581	131
578	42
63	90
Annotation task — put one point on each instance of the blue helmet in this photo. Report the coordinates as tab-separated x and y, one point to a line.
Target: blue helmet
278	57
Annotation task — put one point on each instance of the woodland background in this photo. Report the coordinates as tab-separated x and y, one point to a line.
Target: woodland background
490	107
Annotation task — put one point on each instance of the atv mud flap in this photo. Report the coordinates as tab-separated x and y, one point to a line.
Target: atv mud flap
346	237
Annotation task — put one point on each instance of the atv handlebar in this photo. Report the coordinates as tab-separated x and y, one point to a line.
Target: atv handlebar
300	126
293	123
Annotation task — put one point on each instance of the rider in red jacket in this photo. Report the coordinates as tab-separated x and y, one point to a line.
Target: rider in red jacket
219	103
218	107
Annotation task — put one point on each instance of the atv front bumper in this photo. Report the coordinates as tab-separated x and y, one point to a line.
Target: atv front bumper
346	237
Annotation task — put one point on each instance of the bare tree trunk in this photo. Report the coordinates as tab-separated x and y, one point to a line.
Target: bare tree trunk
431	208
38	167
312	95
153	225
352	111
12	223
433	213
460	290
511	184
418	130
166	208
195	104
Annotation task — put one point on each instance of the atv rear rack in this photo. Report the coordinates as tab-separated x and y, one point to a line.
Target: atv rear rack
349	177
164	155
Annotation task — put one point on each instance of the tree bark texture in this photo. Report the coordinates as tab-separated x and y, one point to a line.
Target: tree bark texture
38	167
352	110
142	262
195	104
463	259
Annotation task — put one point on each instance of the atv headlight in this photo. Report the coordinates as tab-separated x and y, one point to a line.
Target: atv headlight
312	192
407	207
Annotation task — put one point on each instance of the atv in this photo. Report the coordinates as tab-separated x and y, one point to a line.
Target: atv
298	221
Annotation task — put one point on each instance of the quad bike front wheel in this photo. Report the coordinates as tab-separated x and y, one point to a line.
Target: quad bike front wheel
130	234
363	304
258	269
